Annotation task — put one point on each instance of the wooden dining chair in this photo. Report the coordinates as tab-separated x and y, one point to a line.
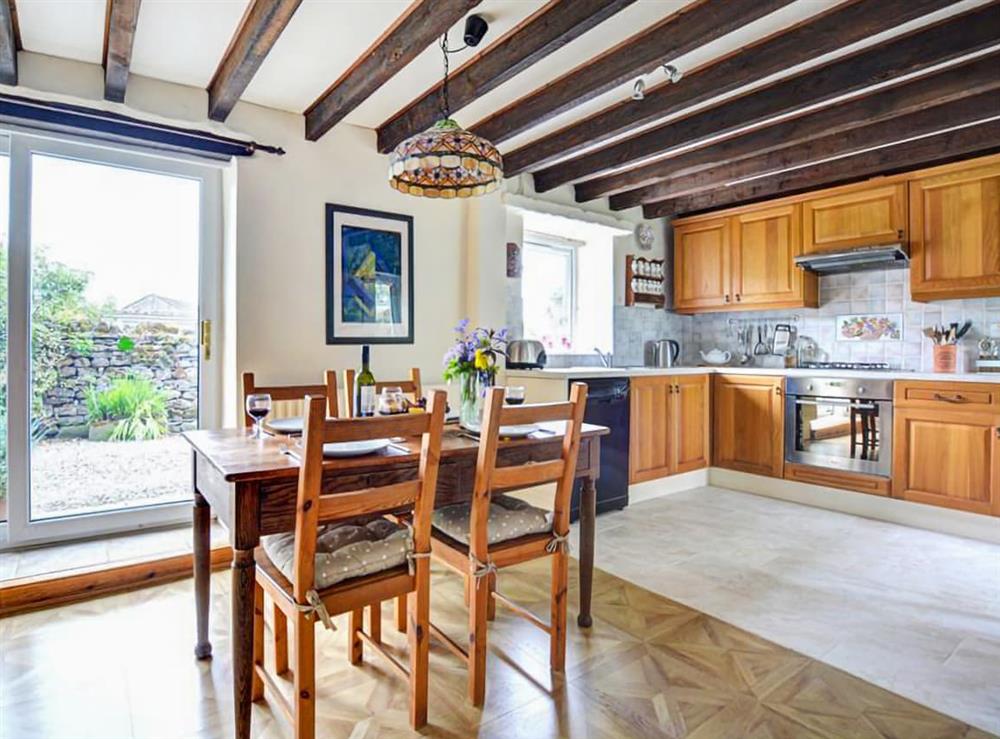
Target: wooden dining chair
496	531
411	386
343	555
291	393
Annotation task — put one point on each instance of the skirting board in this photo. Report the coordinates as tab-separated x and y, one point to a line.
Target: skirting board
643	491
917	515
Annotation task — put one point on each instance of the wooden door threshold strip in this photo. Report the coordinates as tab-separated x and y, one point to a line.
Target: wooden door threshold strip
24	594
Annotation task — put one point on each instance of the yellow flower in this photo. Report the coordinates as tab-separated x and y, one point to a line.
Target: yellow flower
482	361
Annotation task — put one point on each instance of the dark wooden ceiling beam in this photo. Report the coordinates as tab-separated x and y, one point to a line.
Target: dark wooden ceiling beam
656	181
120	20
693	26
971	141
9	42
261	25
547	30
829	31
416	29
919	123
940	42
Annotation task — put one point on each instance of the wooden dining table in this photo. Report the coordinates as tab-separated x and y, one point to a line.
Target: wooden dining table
250	486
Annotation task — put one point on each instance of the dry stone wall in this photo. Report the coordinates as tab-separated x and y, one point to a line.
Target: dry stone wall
165	355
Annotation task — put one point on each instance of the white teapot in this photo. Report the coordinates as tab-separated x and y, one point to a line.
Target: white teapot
716	356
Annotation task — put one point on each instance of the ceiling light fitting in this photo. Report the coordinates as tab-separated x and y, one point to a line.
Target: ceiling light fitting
639	90
673	73
446	161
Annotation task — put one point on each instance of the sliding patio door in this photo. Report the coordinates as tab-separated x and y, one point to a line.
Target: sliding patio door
112	274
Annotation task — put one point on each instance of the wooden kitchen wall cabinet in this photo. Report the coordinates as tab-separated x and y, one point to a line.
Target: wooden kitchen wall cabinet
955	234
748	423
853	216
670	420
743	261
702	279
764	275
946	450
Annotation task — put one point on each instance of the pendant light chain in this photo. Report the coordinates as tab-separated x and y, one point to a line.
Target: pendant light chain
445	107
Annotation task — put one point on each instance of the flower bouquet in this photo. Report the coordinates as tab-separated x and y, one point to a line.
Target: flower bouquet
472	360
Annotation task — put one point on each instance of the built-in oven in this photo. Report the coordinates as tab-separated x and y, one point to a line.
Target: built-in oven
839	423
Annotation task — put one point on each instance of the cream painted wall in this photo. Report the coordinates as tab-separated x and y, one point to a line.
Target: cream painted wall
276	235
278	328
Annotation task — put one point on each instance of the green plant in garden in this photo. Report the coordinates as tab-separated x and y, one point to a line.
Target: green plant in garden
136	404
60	316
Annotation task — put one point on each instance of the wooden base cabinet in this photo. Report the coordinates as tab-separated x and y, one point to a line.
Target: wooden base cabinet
946	449
669	425
748	424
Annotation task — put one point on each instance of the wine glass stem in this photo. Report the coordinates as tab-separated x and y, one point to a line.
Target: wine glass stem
258	430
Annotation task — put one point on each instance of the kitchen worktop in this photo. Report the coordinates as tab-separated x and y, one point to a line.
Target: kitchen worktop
572	373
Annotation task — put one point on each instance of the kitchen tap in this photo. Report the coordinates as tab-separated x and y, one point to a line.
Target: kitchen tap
606	357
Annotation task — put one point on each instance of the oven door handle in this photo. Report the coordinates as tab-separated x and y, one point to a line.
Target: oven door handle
841	403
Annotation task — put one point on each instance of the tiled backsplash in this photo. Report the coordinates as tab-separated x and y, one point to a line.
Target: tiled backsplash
635	325
871	293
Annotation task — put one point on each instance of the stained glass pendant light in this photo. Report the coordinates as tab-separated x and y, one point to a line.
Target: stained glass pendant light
445	161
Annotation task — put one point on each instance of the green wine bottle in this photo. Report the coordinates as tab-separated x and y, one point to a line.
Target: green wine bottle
364	389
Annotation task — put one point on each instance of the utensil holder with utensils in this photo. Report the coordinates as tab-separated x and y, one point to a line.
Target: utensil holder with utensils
946	358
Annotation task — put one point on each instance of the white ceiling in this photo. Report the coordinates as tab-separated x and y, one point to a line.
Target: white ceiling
182	41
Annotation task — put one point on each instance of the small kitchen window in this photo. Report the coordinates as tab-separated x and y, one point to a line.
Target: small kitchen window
548	290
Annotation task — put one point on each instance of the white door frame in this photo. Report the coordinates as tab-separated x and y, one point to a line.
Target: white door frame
20	529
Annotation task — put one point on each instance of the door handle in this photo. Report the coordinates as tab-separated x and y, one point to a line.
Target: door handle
205	339
950	398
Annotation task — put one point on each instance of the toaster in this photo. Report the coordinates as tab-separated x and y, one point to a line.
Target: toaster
525	354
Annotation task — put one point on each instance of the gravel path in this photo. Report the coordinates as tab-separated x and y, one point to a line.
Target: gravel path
79	476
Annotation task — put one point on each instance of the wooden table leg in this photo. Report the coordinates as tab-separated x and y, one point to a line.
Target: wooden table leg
588	512
202	573
242	635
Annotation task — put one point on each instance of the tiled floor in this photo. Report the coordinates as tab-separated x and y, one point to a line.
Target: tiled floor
913	611
56	558
123	667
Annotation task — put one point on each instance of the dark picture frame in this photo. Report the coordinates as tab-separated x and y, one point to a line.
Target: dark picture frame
369	275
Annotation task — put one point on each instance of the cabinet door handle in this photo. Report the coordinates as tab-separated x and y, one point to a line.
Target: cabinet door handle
737	297
950	398
899	233
727	298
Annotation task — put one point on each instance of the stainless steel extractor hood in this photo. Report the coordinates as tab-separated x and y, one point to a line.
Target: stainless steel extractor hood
889	256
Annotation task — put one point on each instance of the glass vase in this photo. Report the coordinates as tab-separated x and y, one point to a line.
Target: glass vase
473	394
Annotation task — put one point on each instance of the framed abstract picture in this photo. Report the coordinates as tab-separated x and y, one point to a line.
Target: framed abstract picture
369	276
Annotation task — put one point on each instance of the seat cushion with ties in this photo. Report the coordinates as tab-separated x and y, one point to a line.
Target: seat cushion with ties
345	550
510	518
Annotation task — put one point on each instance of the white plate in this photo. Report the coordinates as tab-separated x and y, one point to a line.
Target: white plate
292	425
354	448
510	432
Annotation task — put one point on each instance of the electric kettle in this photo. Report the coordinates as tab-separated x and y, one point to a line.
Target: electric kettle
662	353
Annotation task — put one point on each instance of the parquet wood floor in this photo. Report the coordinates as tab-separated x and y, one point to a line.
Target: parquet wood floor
122	667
